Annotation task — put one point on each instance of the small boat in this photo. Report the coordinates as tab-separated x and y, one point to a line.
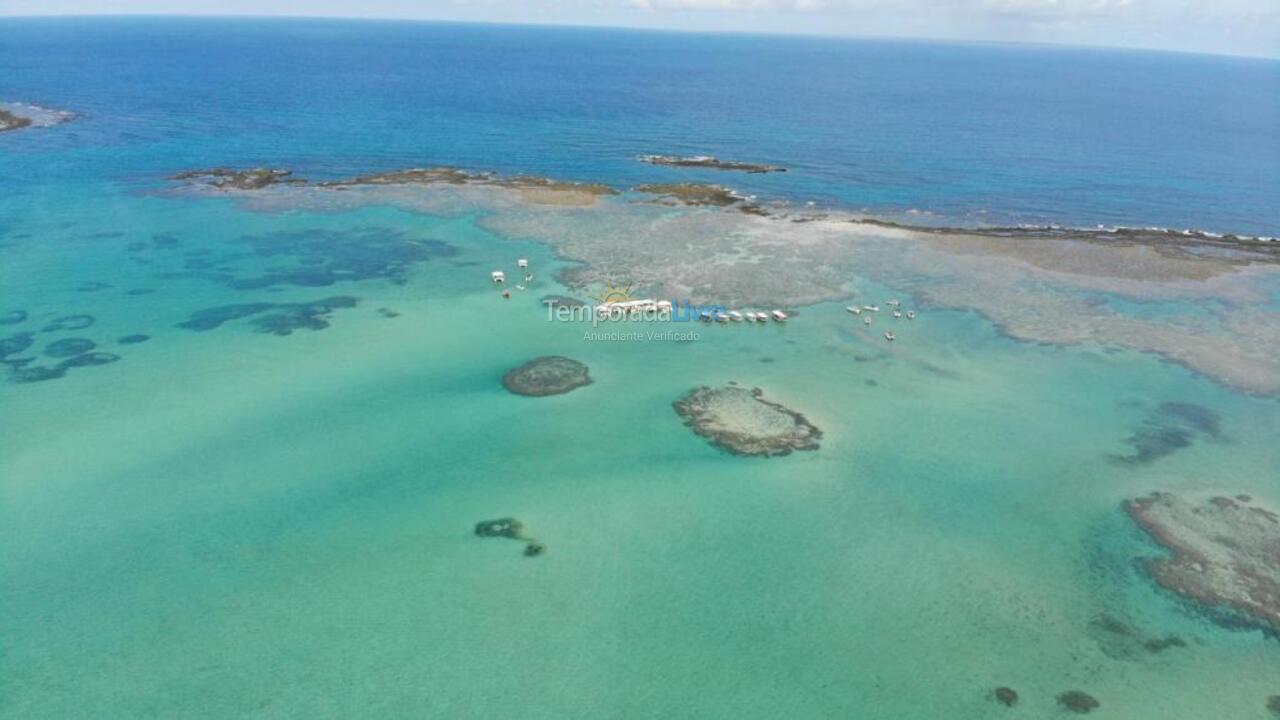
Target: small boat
705	316
866	321
521	287
522	263
854	310
779	316
889	336
871	308
897	313
506	294
762	317
894	303
735	316
911	314
528	278
721	317
498	276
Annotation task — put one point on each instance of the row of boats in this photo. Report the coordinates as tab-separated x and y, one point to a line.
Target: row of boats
867	310
749	316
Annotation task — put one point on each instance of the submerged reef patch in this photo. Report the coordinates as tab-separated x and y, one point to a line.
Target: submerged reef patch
1273	704
320	258
1225	555
1006	696
67	347
69	322
133	339
279	318
13	317
1078	701
16	343
547	375
742	422
1169	428
512	529
1122	641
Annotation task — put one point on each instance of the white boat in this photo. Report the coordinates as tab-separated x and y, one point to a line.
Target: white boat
779	316
854	310
522	263
897	313
520	287
866	321
894	303
911	314
871	308
721	317
889	336
750	317
705	316
735	316
498	276
762	317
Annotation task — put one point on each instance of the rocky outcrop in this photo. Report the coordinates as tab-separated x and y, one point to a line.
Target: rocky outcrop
1225	553
708	161
742	422
548	375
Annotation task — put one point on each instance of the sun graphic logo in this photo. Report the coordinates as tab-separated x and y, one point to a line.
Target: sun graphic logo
614	294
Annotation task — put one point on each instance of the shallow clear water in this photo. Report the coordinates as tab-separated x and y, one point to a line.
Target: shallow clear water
228	523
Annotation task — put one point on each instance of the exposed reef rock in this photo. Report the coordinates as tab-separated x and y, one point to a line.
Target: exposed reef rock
696	194
742	422
279	318
20	116
9	121
1006	696
1077	701
547	375
229	179
531	188
513	529
502	527
1226	554
707	161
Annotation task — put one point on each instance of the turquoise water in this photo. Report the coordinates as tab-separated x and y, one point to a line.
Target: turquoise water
228	523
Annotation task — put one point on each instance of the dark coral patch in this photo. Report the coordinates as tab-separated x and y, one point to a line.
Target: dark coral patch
13	317
1006	696
92	286
38	373
547	375
140	291
274	318
323	257
1169	428
90	359
15	344
69	322
68	347
1077	701
133	339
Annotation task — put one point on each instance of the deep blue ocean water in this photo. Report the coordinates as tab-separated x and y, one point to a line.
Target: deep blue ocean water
971	133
